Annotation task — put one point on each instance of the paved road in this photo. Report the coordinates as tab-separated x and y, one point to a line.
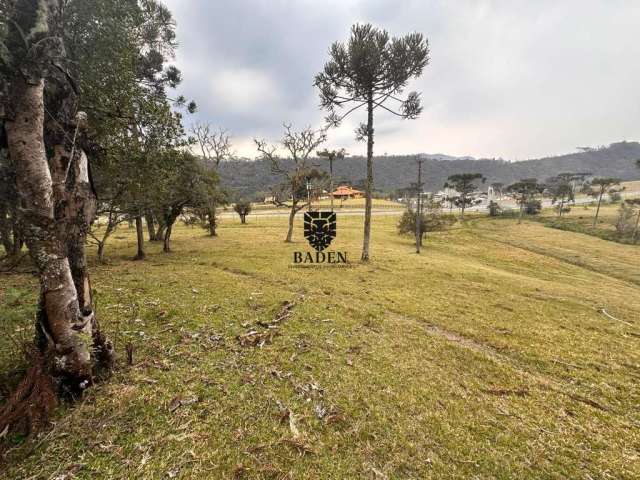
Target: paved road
351	212
390	211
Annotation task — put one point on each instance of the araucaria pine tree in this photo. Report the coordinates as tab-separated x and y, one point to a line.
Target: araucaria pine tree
371	70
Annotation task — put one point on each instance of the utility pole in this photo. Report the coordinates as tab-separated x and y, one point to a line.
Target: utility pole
419	208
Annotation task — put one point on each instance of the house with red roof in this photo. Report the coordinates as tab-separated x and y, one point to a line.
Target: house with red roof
344	192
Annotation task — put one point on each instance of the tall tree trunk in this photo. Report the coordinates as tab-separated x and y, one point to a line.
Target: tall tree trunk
61	319
635	229
150	226
213	221
139	239
561	207
170	218
101	246
292	216
6	234
166	248
160	232
419	210
521	210
595	219
369	183
18	239
463	199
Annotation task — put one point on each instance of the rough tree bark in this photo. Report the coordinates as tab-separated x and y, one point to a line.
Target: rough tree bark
292	216
56	205
148	218
171	215
369	182
522	200
6	233
595	219
140	239
66	321
213	221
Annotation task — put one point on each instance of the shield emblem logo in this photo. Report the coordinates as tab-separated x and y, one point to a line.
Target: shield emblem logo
319	229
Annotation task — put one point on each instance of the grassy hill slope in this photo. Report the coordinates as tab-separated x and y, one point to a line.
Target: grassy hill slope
480	358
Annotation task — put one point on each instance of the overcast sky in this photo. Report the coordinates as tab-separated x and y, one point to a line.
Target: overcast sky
512	79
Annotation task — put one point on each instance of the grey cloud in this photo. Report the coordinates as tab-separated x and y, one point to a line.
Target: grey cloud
513	79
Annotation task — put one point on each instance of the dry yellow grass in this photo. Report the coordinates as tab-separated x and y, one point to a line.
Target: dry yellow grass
488	356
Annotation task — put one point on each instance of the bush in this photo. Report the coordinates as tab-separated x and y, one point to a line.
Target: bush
430	222
565	209
615	197
243	208
626	220
494	209
532	207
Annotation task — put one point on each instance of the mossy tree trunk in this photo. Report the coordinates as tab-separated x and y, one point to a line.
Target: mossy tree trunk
57	206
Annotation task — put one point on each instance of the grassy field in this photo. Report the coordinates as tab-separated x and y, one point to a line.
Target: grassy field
580	220
488	356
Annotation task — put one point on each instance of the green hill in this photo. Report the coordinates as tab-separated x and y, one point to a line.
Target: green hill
253	178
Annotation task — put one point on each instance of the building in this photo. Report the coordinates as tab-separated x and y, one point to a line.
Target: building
344	192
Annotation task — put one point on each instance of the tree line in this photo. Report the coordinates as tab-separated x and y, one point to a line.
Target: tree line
89	128
253	178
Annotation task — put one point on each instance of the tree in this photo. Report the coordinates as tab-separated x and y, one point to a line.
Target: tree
602	185
432	220
498	188
635	202
533	206
629	219
369	70
298	146
494	209
115	217
561	190
464	184
332	156
186	183
215	146
53	181
122	49
524	192
242	208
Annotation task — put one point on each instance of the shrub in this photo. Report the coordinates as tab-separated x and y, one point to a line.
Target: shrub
533	207
242	208
494	209
430	222
626	220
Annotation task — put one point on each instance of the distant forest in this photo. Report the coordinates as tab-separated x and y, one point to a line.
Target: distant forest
253	179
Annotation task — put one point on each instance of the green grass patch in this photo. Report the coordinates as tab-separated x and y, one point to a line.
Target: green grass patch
487	356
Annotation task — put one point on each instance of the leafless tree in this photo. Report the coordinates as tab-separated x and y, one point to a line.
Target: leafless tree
215	147
295	168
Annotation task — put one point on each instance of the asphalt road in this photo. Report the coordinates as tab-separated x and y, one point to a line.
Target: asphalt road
390	211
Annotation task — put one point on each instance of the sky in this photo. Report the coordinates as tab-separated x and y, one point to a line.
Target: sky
515	79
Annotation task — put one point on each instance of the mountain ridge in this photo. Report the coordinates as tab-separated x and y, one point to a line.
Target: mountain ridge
254	179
